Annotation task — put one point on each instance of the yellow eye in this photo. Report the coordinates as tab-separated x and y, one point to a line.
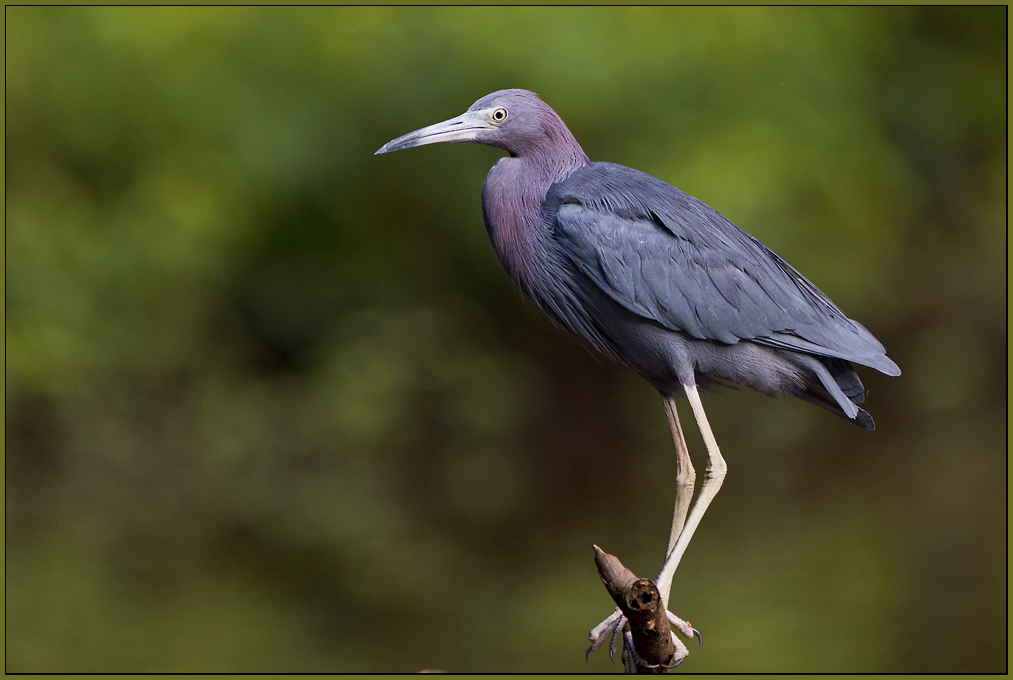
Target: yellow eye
499	115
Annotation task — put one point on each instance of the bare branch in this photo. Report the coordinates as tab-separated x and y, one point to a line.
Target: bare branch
640	602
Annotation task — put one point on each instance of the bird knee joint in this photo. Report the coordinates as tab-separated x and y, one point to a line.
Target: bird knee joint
717	469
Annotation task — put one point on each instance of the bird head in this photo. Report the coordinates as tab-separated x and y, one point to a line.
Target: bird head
514	120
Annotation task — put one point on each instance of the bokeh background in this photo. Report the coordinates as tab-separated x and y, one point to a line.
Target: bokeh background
273	405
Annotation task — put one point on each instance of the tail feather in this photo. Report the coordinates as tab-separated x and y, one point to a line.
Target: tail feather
837	388
846	378
862	417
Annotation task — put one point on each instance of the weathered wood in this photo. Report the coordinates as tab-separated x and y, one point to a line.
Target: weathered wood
640	602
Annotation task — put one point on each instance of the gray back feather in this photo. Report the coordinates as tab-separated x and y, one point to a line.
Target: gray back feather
666	256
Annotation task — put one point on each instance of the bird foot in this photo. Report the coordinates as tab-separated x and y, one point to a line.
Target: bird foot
616	626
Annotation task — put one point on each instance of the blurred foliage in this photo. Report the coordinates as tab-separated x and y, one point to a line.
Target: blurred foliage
272	404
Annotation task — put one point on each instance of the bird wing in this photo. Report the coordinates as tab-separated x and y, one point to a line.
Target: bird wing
666	256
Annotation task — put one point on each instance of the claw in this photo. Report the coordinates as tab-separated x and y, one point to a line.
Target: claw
664	665
680	652
683	627
629	654
620	626
614	626
643	664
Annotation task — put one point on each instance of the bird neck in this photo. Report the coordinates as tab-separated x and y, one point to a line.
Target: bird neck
512	199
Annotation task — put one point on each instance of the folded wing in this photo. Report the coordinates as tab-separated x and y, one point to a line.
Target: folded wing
666	256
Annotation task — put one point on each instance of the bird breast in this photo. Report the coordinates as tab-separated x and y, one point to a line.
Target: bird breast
512	207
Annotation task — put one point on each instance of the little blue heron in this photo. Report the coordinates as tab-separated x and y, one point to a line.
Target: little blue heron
655	279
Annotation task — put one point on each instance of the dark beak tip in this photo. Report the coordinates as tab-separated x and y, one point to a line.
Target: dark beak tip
394	145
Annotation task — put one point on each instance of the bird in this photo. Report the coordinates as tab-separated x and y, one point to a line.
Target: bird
656	280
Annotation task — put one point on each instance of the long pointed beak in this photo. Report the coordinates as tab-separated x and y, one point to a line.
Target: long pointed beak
464	128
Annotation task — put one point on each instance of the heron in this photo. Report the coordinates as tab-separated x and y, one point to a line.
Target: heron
658	281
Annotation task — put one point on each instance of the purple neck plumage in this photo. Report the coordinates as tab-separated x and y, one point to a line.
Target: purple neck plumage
515	190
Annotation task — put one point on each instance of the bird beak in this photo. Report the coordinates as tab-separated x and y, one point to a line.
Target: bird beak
464	128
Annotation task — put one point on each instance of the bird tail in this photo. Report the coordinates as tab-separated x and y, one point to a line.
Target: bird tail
837	388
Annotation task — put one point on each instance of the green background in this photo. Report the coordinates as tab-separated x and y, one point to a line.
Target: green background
273	405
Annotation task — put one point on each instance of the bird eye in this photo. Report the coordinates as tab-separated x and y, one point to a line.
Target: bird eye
499	115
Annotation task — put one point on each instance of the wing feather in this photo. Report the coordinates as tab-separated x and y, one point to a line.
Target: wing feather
666	256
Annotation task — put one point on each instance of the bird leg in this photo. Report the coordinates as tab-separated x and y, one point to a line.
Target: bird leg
685	480
712	479
616	625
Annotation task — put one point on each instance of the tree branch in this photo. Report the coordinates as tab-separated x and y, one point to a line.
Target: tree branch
640	602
